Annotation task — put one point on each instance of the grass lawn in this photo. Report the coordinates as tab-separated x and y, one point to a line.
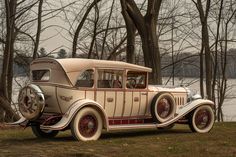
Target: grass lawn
220	142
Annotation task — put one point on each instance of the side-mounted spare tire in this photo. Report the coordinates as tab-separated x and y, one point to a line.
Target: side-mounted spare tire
31	102
163	107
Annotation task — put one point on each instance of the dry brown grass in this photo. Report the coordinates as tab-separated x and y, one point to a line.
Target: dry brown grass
179	141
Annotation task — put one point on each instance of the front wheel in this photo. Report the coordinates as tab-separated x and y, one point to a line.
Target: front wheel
87	125
202	119
41	133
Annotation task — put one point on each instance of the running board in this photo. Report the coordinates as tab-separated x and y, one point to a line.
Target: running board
129	127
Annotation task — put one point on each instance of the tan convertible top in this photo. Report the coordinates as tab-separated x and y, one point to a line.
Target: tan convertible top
77	64
72	66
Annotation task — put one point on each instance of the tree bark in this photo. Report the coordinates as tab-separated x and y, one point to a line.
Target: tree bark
7	67
10	113
205	45
146	26
130	29
96	18
36	45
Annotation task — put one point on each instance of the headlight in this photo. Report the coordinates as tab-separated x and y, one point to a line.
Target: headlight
192	95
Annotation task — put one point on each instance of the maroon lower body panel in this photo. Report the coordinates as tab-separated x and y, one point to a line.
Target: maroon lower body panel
128	120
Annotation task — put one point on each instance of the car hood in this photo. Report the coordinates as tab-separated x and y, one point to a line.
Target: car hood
172	89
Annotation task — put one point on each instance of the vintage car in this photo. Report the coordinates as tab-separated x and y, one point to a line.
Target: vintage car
87	96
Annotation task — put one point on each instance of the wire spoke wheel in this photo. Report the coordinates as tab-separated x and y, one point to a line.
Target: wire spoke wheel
164	107
202	119
87	124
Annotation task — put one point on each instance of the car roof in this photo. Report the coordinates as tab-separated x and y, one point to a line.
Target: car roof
74	66
79	64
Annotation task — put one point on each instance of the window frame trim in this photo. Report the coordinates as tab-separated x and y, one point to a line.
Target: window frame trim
110	89
31	75
94	81
136	89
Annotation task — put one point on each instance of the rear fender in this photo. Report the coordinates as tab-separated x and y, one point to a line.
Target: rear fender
22	121
72	111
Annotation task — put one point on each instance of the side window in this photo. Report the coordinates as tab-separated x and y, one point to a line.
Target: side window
136	80
110	78
40	75
86	79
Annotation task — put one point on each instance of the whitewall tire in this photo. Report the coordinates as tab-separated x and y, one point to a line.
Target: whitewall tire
202	119
163	107
87	124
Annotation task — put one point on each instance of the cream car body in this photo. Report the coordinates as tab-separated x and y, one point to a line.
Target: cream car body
115	94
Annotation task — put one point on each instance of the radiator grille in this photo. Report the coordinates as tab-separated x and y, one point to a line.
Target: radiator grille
179	101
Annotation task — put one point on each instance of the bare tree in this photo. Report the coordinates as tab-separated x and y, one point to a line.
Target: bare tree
7	70
146	26
205	49
39	27
79	27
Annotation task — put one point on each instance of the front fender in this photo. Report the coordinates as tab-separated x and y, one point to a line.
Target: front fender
187	108
72	111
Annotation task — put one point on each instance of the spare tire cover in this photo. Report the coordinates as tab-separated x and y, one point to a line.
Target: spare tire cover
31	102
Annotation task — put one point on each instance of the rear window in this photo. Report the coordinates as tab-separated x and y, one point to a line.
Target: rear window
40	75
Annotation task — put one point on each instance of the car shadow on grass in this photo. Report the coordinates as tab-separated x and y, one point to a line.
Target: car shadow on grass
105	136
140	133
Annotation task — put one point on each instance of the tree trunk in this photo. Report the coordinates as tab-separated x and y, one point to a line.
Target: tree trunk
36	45
152	55
203	14
7	67
201	72
146	26
208	61
10	114
130	29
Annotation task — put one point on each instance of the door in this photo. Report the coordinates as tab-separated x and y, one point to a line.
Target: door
110	93
135	94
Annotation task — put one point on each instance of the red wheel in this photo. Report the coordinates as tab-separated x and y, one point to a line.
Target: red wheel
87	125
202	119
163	107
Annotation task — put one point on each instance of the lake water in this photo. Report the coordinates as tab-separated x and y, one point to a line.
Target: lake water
229	107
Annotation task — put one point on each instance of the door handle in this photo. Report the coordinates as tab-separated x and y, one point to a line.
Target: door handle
136	99
110	99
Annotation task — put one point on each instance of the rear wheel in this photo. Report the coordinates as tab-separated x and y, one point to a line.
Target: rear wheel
202	119
87	125
41	133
